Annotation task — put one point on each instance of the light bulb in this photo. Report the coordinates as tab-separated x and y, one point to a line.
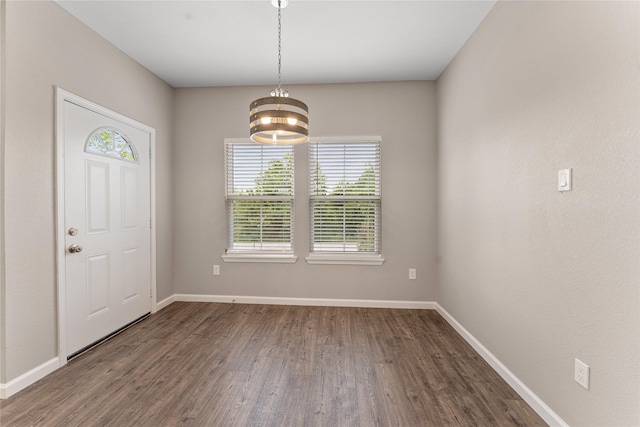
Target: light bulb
292	121
265	120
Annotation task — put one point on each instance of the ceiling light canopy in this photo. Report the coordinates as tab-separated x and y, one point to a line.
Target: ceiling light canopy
278	119
281	3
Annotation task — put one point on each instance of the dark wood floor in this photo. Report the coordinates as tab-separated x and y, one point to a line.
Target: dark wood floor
205	364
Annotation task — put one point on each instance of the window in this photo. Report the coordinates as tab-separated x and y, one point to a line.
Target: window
110	142
345	202
259	201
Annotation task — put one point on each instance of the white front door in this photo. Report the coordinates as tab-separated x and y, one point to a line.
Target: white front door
107	225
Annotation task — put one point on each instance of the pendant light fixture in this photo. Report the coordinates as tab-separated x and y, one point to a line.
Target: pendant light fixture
278	119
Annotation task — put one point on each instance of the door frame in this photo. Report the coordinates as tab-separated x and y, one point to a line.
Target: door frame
63	96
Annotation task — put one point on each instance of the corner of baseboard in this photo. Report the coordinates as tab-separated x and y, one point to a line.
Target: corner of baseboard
25	380
541	408
165	302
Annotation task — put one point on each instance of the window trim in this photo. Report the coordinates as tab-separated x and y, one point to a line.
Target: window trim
345	258
239	256
284	258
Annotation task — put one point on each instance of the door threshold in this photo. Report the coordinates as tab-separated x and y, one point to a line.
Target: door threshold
106	338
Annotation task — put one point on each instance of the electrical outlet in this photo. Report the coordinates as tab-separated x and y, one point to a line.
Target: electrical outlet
216	270
412	274
581	374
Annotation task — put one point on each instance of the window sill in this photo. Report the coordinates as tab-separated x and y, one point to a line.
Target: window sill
340	259
272	258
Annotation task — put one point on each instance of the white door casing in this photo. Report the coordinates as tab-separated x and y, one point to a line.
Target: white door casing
109	201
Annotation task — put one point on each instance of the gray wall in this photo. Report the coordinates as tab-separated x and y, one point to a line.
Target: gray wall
402	113
541	277
47	47
3	62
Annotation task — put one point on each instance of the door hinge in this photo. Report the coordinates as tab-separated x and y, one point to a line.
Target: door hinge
150	157
150	223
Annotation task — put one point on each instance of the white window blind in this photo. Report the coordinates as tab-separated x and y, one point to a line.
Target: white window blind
259	197
345	200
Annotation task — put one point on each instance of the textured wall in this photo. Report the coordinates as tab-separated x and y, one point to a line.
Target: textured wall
3	64
402	113
47	47
541	277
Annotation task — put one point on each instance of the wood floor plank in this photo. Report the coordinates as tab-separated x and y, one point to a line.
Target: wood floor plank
205	364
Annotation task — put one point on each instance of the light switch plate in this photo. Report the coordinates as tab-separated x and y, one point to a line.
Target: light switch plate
564	180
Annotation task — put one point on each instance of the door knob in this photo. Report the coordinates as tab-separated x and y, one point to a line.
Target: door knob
75	249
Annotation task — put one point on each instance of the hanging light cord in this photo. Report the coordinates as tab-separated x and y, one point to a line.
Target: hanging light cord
278	91
279	48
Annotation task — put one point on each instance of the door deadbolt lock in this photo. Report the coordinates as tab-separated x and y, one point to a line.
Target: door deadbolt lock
73	231
75	249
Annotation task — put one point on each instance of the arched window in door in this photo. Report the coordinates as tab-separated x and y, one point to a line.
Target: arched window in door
109	142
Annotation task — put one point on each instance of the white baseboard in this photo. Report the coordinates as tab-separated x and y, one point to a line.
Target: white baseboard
165	302
39	372
28	378
325	302
545	412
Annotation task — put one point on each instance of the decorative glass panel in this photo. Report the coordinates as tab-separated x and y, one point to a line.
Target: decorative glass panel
109	142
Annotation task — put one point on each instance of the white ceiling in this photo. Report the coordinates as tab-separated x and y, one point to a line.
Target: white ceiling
232	43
